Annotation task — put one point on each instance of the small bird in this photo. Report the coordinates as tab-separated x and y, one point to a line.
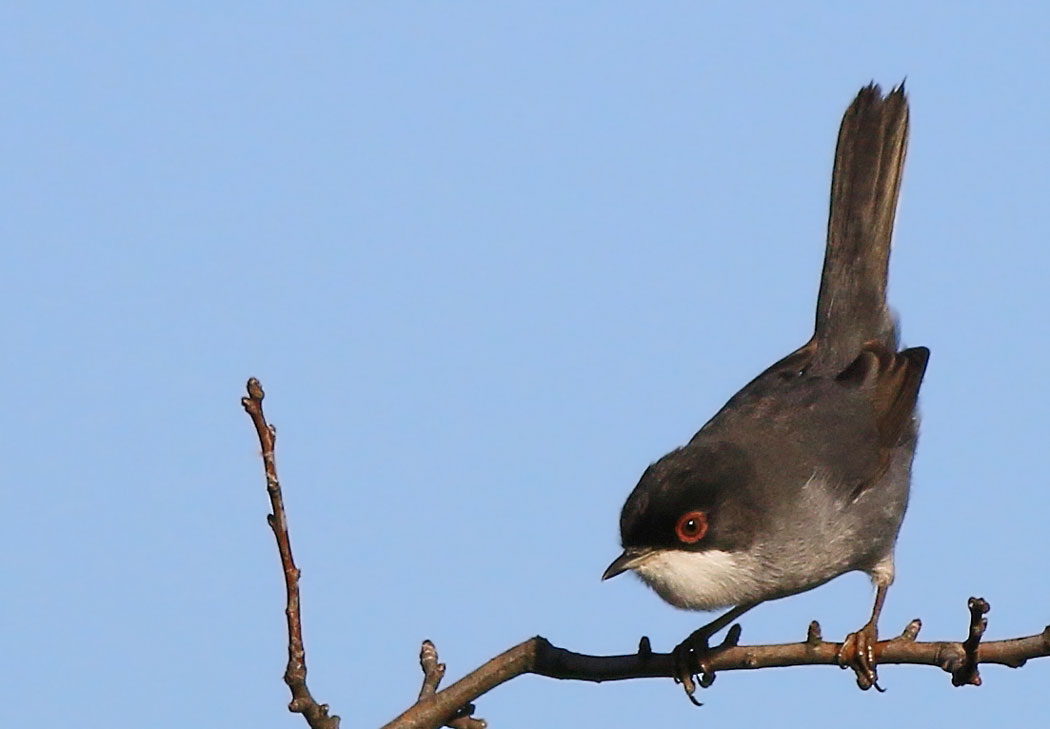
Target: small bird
804	474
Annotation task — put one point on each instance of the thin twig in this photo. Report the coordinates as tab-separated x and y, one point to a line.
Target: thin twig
433	672
966	673
303	702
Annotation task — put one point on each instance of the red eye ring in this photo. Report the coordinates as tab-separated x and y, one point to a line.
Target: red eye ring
691	527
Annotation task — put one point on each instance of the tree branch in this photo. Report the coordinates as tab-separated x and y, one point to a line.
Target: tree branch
295	673
453	706
538	656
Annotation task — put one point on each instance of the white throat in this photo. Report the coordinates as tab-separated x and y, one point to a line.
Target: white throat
706	580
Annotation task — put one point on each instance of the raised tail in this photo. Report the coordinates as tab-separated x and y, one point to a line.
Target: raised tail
869	159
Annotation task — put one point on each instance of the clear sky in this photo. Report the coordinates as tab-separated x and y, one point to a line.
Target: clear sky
489	261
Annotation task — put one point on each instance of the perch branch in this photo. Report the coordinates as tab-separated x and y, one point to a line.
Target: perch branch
303	702
538	656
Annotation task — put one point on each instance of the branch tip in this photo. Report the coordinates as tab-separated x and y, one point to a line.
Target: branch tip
964	672
814	637
255	389
911	631
302	702
433	671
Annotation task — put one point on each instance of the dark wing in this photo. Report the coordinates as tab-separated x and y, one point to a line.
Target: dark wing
845	428
890	382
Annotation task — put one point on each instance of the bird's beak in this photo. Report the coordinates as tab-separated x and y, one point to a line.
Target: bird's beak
630	559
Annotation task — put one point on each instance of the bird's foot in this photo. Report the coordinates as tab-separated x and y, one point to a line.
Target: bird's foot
692	657
858	652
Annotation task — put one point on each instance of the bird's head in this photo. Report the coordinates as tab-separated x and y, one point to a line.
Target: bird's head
687	527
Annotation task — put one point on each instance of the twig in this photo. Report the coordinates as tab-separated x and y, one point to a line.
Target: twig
433	672
966	670
303	702
538	656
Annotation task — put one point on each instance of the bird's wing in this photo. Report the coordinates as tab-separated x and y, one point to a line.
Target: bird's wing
890	382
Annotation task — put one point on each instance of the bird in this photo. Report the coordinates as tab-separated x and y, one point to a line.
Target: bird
804	474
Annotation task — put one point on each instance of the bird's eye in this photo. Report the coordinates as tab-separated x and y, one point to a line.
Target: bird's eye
691	527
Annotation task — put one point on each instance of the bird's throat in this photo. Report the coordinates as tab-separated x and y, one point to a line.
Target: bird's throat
705	580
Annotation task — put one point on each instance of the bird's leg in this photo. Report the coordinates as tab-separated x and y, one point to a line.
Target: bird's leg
858	650
692	655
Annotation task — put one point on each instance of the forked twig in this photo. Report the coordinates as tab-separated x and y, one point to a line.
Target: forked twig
295	673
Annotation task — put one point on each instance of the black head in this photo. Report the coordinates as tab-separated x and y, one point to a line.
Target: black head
694	498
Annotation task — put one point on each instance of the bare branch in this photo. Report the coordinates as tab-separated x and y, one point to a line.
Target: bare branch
538	656
303	702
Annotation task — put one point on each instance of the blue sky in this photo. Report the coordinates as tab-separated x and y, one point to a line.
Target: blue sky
489	261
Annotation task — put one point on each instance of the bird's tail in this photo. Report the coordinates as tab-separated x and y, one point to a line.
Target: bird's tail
869	159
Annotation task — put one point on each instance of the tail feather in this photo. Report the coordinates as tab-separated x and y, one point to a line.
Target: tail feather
869	159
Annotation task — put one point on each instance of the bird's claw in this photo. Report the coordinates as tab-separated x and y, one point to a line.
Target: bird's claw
692	658
858	652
